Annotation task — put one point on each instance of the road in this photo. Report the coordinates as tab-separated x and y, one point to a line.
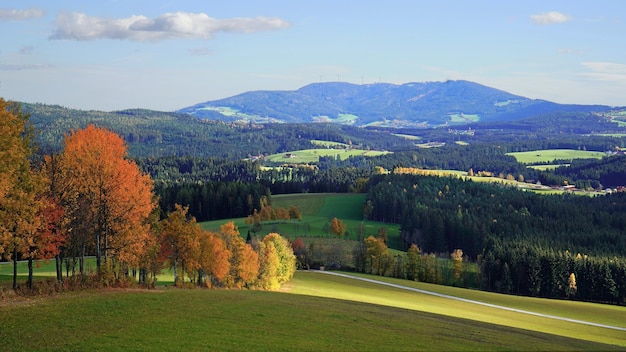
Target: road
474	302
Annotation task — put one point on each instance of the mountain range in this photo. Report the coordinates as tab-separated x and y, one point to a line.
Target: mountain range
418	104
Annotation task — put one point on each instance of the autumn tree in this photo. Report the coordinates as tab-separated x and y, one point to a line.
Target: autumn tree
412	264
45	241
375	252
300	251
457	263
214	258
337	227
54	213
571	285
177	233
244	262
294	213
19	185
286	259
268	266
105	195
249	264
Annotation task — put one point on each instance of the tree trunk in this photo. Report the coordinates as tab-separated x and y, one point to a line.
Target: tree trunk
30	273
175	273
14	268
81	260
59	267
98	251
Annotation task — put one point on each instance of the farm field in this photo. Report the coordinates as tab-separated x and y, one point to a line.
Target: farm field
313	312
549	155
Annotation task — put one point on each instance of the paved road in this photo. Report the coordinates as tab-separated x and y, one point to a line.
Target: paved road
474	302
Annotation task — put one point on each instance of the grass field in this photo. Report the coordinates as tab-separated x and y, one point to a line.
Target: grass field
317	210
549	155
463	118
546	167
618	135
312	155
407	136
346	119
314	312
327	143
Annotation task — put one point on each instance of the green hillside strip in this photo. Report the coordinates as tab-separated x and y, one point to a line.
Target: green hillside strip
338	287
312	155
549	155
559	310
176	319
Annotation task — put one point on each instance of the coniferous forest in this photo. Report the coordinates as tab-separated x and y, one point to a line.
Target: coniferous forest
522	242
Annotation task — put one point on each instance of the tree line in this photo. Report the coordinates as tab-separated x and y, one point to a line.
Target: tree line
519	238
91	199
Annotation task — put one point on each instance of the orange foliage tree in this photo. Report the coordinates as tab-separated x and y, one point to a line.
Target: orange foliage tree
46	240
106	196
376	254
337	227
214	258
20	187
244	265
178	237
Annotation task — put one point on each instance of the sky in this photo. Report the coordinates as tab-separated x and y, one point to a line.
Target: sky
166	55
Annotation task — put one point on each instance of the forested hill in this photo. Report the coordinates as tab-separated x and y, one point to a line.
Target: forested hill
425	104
156	134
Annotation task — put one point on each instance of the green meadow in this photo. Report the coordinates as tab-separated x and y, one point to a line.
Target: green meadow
464	118
549	155
306	156
317	210
313	312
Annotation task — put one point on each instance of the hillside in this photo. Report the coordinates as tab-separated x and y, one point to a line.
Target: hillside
156	133
426	104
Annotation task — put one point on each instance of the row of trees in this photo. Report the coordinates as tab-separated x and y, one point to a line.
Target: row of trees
222	258
528	269
91	199
88	200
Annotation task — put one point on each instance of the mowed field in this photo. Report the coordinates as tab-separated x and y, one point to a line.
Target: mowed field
317	210
313	312
312	155
549	155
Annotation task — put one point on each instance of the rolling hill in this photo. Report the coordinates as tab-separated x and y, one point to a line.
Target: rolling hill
425	104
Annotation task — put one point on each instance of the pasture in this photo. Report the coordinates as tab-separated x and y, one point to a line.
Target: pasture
313	312
307	156
463	118
549	155
317	210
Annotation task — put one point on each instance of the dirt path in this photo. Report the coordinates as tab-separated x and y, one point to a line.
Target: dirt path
474	302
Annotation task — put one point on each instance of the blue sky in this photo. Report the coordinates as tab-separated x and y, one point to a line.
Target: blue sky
166	55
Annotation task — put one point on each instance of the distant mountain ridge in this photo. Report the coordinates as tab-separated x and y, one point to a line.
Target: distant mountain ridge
425	104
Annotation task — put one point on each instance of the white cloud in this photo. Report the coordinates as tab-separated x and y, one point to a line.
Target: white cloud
14	14
606	71
79	26
550	18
